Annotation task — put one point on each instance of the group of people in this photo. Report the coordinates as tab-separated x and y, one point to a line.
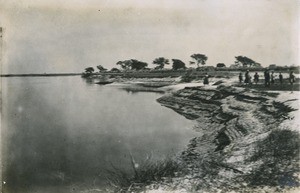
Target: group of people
269	78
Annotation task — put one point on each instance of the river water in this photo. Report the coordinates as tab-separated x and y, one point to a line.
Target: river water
63	131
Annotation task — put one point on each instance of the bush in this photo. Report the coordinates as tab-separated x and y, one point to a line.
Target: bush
280	155
145	174
188	77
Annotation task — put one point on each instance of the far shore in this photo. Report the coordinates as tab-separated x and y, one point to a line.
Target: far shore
45	74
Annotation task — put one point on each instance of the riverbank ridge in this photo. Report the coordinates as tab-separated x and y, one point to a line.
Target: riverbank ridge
243	145
248	139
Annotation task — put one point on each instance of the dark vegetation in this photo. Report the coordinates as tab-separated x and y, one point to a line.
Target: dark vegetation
160	62
245	61
241	63
101	68
145	174
89	70
132	64
178	64
280	155
221	65
199	58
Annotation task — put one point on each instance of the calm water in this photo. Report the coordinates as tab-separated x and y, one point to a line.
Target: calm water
59	131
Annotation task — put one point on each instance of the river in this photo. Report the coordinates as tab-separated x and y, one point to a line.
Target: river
66	132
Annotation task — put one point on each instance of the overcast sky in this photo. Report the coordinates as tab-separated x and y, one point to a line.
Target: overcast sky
67	36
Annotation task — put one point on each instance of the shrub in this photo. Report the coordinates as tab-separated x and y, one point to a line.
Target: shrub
147	173
280	155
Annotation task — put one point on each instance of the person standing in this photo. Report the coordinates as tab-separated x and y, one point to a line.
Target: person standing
241	77
280	78
247	77
256	77
292	80
272	78
205	80
267	78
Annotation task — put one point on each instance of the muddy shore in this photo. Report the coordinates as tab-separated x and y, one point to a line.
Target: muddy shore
246	142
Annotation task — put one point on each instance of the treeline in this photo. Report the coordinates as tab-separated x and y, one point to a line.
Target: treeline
240	62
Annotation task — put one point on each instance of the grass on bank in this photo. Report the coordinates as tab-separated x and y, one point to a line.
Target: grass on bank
279	153
146	173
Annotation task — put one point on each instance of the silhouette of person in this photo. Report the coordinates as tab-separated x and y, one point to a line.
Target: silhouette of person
241	77
267	78
247	77
272	78
205	80
280	78
292	80
256	77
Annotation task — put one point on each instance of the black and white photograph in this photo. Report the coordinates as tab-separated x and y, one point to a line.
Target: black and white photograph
160	96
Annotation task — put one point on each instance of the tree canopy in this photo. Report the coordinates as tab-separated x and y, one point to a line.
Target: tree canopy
115	70
125	65
138	65
89	70
221	65
244	61
161	62
101	68
199	58
178	64
132	64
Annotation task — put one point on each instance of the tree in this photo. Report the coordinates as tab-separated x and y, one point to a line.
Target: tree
132	64
178	64
101	68
138	65
161	62
89	70
199	58
115	70
125	65
221	65
244	61
257	65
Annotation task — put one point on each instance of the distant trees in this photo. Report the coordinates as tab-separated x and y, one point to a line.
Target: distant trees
178	64
199	58
89	70
221	65
132	64
115	70
101	68
256	65
138	65
125	65
160	62
244	61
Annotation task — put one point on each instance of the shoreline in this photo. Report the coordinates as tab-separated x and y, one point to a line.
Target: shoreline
233	122
236	125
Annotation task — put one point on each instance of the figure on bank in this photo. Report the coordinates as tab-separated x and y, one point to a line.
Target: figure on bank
247	77
267	78
272	78
256	77
205	80
241	77
280	78
292	80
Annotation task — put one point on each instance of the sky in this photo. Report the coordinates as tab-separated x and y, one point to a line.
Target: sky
41	36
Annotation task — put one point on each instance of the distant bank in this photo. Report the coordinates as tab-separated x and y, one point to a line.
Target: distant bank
51	74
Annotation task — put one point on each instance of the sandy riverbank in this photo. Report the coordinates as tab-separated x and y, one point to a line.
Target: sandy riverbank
248	140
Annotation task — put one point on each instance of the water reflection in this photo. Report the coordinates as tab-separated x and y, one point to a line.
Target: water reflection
137	89
59	132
